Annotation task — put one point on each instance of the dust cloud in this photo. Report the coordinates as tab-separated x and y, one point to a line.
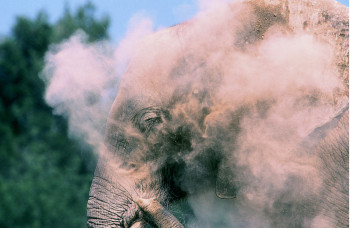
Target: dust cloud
82	78
232	106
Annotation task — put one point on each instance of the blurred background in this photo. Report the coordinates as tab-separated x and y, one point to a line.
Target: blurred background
45	174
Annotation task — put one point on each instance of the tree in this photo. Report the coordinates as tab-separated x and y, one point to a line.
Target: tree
82	19
44	181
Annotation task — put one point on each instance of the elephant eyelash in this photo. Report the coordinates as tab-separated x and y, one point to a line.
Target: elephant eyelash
146	119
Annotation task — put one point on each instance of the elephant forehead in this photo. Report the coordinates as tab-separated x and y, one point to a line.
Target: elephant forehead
202	72
223	60
149	69
211	52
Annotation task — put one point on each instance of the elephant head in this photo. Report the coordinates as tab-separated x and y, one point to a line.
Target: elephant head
200	99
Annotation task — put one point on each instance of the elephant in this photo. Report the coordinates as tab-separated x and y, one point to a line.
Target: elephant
237	118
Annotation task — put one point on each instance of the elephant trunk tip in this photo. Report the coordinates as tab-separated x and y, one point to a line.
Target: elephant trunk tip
158	214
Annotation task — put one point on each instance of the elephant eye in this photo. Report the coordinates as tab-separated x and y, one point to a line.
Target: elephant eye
147	119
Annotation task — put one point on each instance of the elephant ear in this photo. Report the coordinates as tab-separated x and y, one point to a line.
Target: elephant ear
227	182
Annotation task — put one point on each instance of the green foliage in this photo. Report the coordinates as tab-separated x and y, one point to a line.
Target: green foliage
44	181
82	19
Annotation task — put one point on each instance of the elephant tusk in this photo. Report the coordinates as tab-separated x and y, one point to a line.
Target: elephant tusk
158	214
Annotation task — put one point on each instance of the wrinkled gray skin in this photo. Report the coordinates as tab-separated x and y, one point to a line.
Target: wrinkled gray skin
138	177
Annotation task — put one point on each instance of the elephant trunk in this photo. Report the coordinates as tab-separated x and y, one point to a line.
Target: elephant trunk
158	214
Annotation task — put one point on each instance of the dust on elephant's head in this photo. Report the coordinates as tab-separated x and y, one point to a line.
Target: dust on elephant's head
216	120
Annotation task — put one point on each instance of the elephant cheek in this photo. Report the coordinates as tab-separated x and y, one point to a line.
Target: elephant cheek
334	154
